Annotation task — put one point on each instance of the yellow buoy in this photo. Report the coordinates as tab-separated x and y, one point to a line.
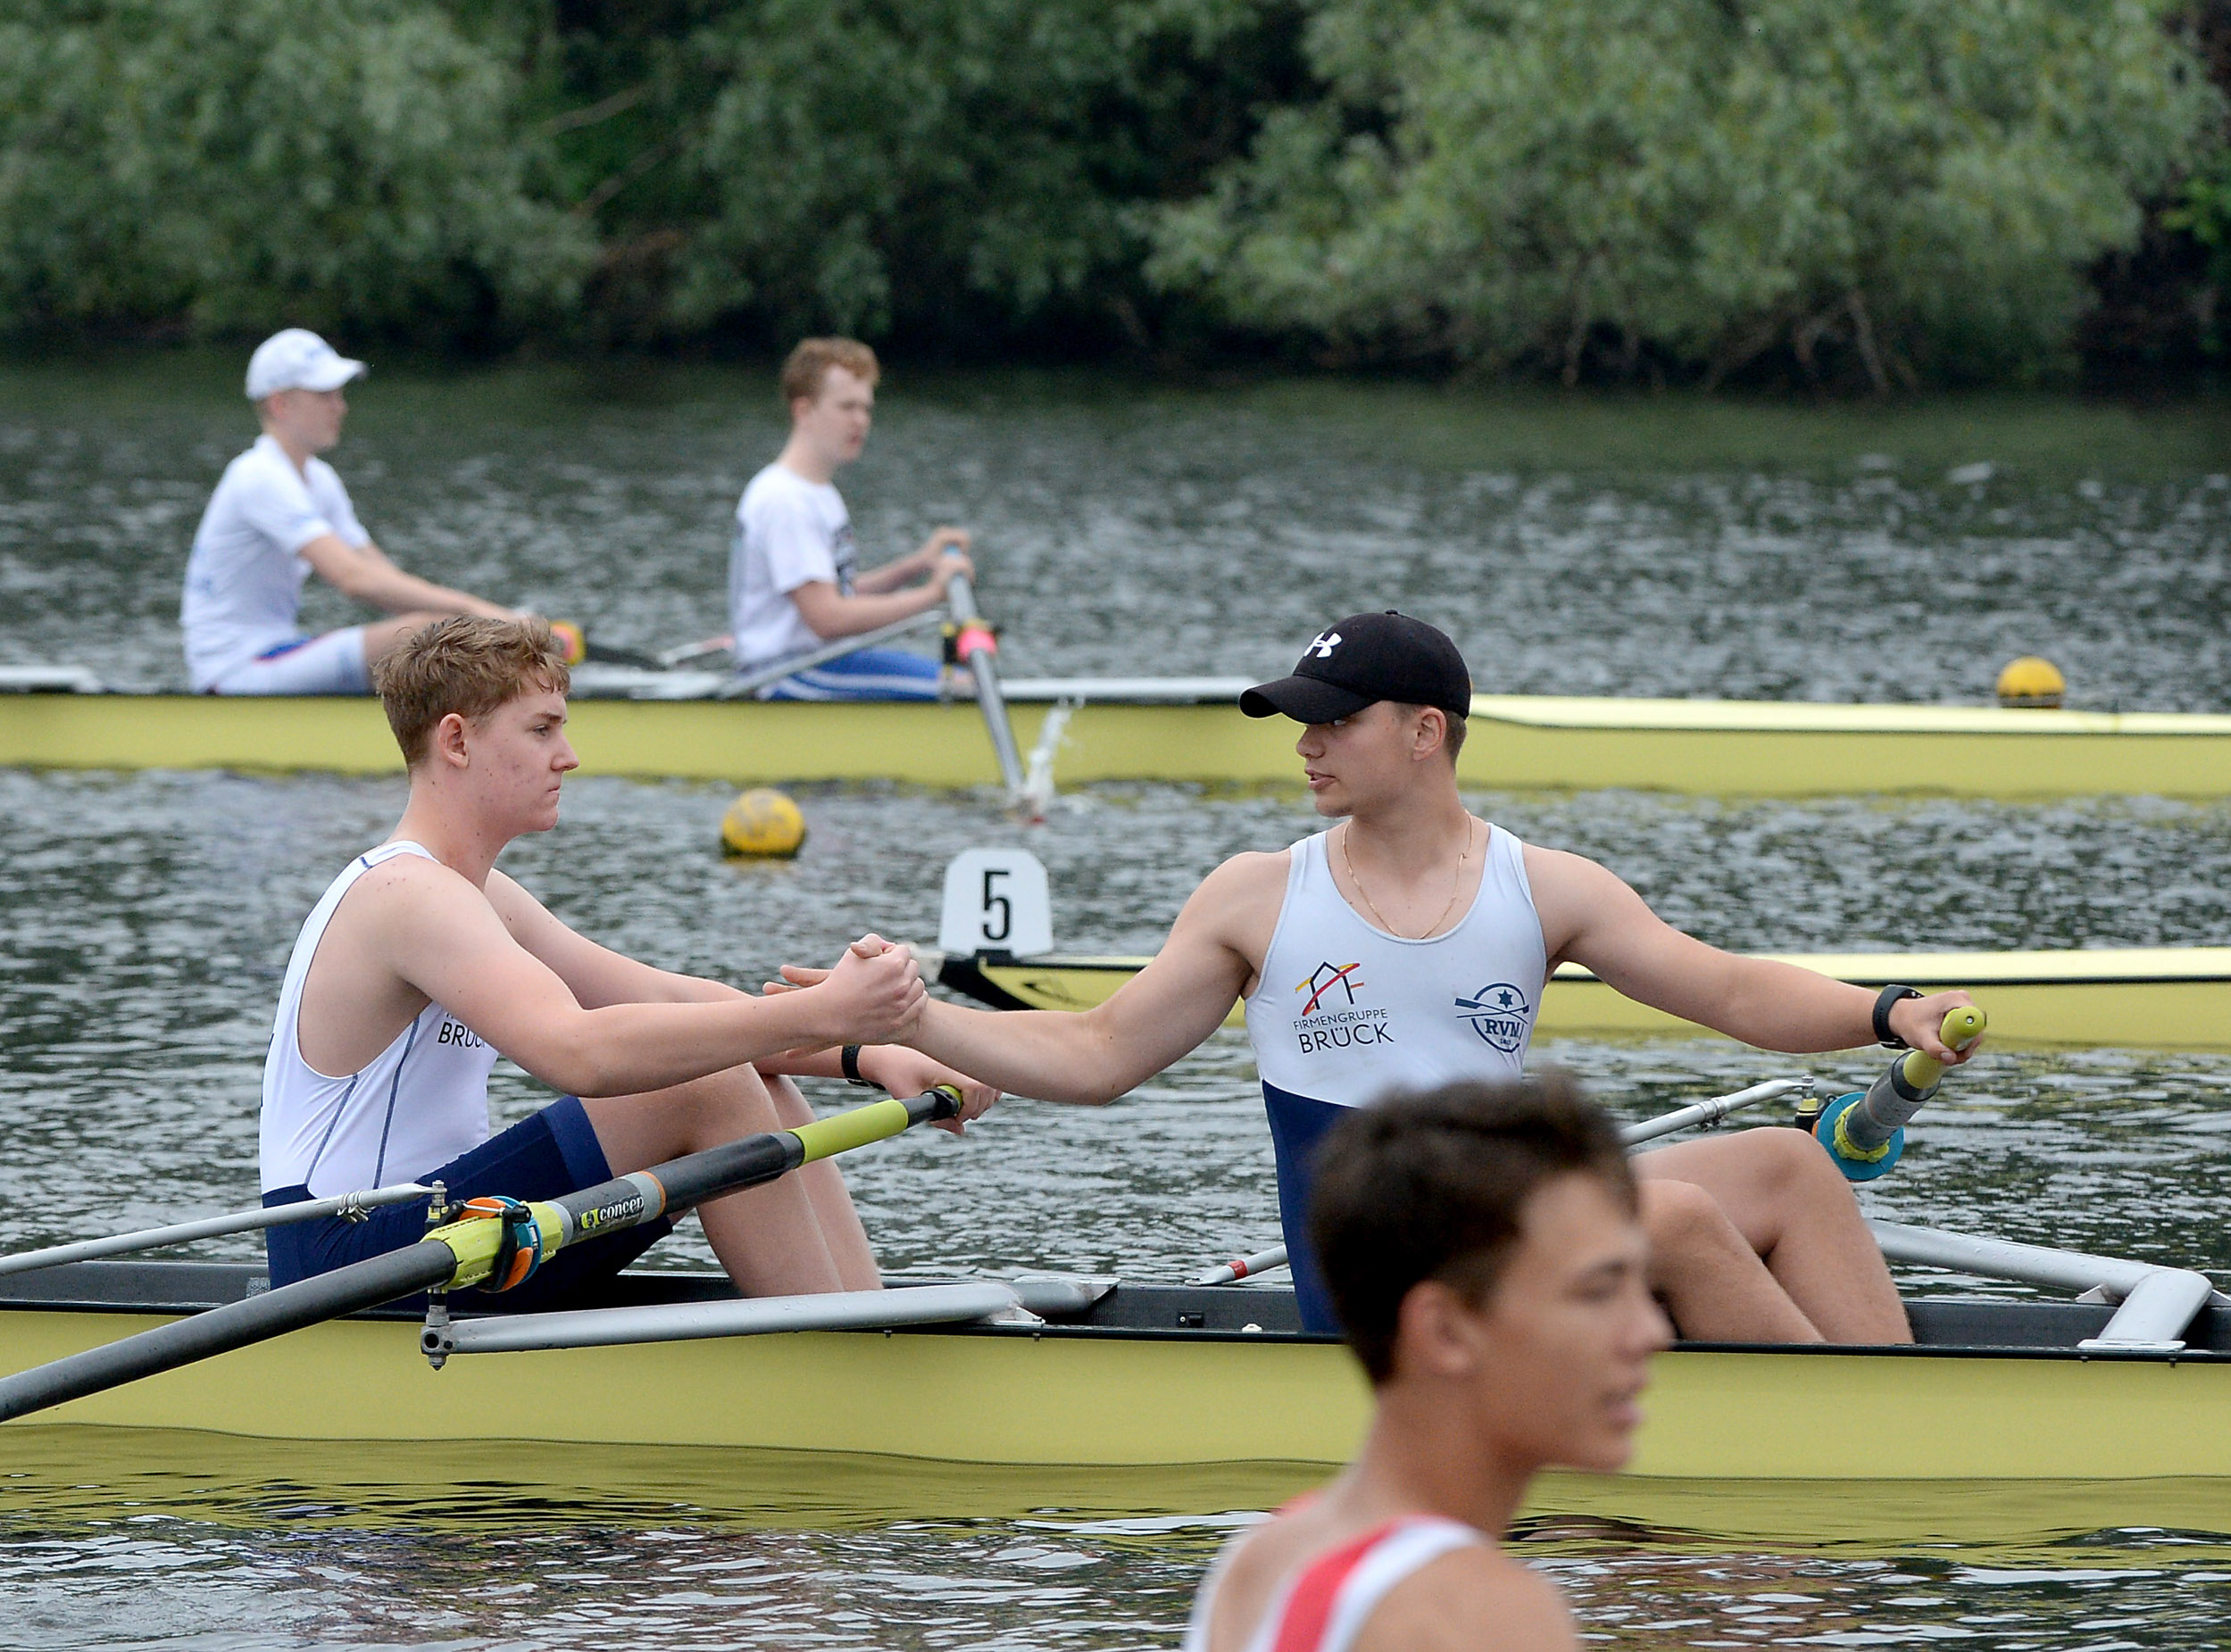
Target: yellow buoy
763	821
2031	682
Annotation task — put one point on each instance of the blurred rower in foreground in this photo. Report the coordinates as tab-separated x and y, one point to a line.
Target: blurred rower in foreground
794	573
1483	1251
280	515
423	962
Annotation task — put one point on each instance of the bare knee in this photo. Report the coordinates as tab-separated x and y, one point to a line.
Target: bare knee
1797	1164
1680	1218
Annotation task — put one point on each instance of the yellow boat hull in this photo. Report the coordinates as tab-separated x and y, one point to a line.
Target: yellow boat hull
2147	998
1706	747
1099	1400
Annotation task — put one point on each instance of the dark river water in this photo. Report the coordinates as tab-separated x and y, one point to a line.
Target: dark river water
144	920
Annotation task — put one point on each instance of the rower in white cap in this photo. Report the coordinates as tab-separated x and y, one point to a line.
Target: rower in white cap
280	515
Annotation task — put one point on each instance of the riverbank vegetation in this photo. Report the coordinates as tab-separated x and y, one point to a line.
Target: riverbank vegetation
1868	195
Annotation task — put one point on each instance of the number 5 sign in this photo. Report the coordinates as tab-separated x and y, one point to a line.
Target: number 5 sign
996	901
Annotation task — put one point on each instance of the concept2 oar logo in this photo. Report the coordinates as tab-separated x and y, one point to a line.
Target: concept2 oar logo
1331	1017
1499	1013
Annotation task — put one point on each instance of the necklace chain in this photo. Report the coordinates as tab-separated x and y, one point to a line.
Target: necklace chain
1433	928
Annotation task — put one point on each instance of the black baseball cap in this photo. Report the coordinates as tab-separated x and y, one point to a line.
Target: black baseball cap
1365	658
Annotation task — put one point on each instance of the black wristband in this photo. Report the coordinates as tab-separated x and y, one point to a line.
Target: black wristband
1888	996
850	1058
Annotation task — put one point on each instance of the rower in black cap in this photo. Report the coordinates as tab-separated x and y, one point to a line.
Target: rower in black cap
1408	947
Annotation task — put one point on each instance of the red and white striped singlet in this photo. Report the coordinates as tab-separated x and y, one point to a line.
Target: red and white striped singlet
1324	1606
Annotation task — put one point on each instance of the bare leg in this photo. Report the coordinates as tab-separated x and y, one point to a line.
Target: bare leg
825	1188
1795	1211
767	1238
1714	1286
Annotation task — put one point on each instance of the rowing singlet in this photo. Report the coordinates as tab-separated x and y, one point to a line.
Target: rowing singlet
1344	1012
1323	1607
420	1103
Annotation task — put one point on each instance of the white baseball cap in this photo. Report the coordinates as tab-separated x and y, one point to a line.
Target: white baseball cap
298	360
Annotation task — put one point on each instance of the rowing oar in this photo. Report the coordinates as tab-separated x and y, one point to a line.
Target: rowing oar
1866	1132
580	648
976	648
351	1206
499	1239
751	682
1708	1112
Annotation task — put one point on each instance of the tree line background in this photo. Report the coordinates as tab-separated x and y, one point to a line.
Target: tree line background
1868	195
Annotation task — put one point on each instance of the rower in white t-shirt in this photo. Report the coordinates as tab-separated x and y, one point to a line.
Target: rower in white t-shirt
280	515
793	577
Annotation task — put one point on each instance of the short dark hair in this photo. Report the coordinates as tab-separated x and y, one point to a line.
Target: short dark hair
1433	1184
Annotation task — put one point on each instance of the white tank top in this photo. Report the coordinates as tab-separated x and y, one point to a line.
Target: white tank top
1345	1012
417	1105
1324	1606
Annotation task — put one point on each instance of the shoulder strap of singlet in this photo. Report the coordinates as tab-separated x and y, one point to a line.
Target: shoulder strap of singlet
1330	1599
313	928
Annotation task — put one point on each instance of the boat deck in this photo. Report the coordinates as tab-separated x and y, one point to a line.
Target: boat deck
1967	1326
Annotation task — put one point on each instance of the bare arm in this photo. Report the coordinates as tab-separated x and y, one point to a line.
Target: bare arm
597	976
1164	1012
364	574
1593	918
828	613
432	930
922	562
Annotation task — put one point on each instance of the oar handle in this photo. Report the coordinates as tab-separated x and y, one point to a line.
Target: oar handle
1962	1026
1866	1133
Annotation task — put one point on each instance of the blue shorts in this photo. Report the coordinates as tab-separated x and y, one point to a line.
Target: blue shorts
1297	1122
867	674
555	1151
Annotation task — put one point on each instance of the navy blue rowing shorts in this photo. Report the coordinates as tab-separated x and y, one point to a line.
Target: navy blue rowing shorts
554	1151
1297	1125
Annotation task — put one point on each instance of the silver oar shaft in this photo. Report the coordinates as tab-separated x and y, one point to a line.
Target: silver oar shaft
748	683
1713	1111
960	596
211	1227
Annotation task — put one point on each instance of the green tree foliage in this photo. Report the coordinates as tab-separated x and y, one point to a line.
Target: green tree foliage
1695	182
236	164
1874	191
953	169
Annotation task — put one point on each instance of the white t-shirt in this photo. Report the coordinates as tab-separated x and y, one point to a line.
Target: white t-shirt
789	532
244	581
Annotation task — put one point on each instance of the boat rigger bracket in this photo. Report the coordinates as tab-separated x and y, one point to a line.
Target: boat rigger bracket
2156	1305
1031	1299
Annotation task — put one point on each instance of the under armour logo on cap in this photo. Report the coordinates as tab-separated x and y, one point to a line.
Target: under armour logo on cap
1364	658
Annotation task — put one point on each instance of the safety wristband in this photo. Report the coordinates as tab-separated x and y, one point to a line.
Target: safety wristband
1888	996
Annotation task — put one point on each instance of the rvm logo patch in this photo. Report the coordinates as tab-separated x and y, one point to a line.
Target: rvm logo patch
1500	1014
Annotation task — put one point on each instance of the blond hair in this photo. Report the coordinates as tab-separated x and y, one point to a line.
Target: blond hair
469	665
809	365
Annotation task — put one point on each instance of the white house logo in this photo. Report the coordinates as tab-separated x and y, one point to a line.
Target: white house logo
1326	641
1331	1017
1499	1014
